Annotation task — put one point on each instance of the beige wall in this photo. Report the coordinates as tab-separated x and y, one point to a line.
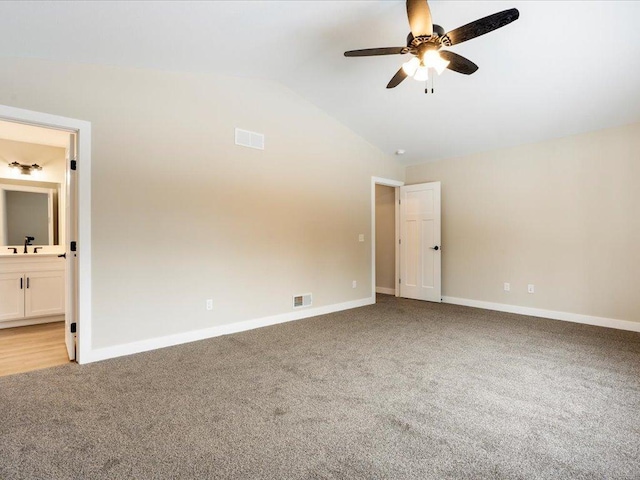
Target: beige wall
385	237
562	215
180	214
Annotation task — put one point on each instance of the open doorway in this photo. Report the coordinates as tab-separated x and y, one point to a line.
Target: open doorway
384	235
386	239
33	227
416	248
38	236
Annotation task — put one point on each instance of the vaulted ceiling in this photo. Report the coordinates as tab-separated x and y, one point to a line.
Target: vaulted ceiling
564	67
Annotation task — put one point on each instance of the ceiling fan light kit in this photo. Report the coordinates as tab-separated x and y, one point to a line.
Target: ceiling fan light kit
426	39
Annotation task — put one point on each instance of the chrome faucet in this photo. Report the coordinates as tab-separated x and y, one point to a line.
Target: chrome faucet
27	241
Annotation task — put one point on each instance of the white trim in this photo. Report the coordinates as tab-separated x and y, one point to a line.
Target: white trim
186	337
396	280
31	321
389	183
554	315
83	129
386	291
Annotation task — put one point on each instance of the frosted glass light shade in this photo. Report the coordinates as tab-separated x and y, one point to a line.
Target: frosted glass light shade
422	74
432	59
411	66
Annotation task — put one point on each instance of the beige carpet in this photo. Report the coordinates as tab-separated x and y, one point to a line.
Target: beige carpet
402	389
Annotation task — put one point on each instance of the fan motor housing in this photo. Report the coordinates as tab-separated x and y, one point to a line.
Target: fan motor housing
433	41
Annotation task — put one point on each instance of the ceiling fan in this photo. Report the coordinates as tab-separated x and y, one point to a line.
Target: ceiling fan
426	39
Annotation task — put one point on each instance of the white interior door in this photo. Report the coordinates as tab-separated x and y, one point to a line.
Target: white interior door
420	249
71	229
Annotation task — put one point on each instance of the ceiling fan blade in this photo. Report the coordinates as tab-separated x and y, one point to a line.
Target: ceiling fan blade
482	26
419	16
397	79
368	52
458	63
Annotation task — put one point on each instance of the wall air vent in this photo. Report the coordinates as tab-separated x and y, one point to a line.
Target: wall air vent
300	301
245	138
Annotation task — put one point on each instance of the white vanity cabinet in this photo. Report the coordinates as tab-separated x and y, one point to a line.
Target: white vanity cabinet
11	296
31	289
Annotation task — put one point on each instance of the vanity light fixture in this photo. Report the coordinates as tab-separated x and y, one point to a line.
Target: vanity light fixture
25	169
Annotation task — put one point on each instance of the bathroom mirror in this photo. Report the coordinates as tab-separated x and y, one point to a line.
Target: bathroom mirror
28	208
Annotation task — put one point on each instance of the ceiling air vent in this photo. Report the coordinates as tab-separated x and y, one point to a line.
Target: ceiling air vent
245	138
300	301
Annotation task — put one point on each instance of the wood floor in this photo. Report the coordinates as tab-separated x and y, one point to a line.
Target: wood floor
23	349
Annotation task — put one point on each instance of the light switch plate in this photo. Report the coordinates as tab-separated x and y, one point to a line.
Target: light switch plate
361	237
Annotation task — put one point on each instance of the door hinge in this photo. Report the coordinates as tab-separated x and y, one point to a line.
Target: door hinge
399	202
73	246
400	241
399	280
73	327
74	165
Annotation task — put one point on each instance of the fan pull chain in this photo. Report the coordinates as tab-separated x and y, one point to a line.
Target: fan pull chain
426	85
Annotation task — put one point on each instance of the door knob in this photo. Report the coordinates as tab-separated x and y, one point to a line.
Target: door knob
435	248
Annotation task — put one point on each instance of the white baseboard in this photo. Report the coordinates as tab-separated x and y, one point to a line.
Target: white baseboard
31	321
539	312
387	291
170	340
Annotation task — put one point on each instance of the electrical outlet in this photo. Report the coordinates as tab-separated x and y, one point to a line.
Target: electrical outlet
507	287
531	288
210	304
354	284
361	237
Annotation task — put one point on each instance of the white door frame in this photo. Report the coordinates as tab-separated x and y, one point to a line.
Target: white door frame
83	155
389	183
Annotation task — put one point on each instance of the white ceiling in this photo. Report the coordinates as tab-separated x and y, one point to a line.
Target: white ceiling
564	67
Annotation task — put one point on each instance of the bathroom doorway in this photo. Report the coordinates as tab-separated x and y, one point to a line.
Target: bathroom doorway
38	243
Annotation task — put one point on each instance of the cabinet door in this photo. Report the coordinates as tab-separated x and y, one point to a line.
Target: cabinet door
11	296
44	293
